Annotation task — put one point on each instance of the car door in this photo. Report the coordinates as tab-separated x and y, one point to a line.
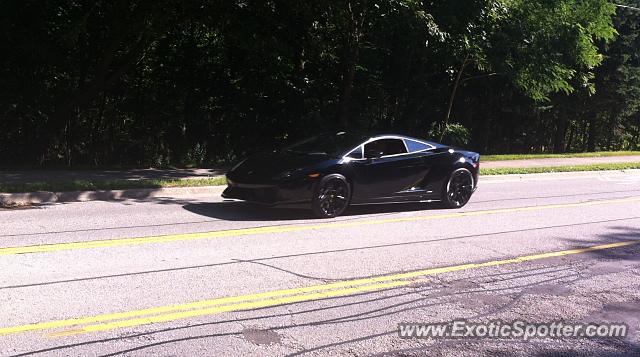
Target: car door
426	159
387	171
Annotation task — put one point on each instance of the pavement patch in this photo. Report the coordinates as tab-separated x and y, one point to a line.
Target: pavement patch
261	337
551	289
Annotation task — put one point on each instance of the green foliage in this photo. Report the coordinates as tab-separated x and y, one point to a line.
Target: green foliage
547	46
166	82
453	134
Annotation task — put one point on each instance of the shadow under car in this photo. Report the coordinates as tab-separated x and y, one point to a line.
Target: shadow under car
245	211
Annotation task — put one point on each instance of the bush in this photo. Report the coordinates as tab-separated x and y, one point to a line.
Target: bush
454	134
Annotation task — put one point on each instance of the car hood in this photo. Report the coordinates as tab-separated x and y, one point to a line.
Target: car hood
265	167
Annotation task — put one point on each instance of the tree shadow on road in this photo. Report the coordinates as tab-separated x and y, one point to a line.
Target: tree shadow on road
619	234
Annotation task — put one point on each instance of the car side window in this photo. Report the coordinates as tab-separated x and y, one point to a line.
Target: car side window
355	153
384	147
415	146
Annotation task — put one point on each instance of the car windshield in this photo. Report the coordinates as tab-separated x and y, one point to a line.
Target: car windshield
333	144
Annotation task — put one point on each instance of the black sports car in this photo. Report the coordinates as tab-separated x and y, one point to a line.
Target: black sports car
331	171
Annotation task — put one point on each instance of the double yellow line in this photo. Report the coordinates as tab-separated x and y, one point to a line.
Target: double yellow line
284	229
272	298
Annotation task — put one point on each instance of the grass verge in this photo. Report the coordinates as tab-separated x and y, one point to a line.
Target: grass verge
84	185
539	170
553	156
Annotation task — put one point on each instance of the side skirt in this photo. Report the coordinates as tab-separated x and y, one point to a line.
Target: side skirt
393	202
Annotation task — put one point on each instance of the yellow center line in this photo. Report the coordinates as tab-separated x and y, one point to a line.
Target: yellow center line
228	308
273	298
283	229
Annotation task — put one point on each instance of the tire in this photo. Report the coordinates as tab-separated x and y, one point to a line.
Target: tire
458	188
331	196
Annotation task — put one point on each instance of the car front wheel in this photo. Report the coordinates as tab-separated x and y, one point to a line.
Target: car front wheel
458	188
331	196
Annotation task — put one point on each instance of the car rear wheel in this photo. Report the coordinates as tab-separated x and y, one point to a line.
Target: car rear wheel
458	189
331	197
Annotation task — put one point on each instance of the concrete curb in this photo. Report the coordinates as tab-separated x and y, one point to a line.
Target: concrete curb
29	198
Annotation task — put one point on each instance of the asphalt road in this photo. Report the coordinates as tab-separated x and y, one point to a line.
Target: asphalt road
205	277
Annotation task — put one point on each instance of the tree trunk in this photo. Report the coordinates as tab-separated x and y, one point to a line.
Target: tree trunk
350	61
570	139
456	84
560	135
592	138
487	113
584	134
347	88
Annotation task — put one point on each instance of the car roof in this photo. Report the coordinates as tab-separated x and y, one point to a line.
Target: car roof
399	136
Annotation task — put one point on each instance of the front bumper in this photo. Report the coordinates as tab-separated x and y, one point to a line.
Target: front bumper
299	191
265	195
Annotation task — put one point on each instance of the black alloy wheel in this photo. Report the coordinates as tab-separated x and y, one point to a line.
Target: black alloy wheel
331	197
458	189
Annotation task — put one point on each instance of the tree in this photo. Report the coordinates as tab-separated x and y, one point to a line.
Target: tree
204	81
